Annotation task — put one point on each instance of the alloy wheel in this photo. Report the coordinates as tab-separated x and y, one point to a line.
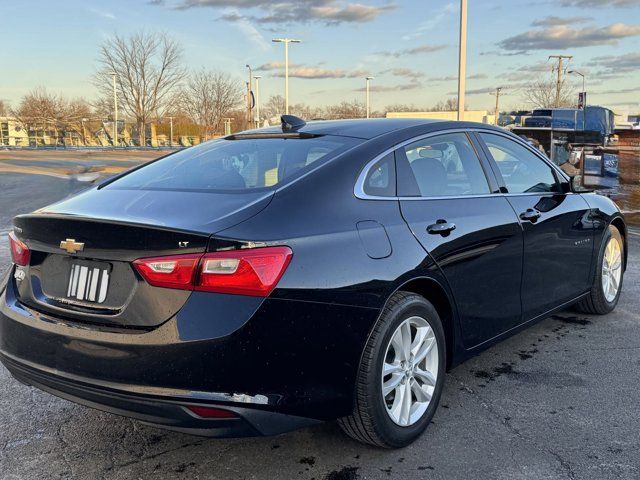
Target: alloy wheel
611	269
410	371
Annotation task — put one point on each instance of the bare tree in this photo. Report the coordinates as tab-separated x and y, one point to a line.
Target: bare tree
449	105
4	108
542	93
354	109
274	107
51	113
208	97
403	107
148	68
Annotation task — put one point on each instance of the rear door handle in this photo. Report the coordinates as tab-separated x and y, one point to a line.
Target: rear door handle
531	215
441	227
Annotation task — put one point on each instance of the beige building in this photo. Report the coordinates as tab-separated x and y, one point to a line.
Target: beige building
480	116
13	133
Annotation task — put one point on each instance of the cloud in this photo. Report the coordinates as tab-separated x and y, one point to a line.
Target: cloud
526	72
103	13
553	21
600	3
620	91
309	72
329	12
476	91
249	30
267	67
450	78
617	64
412	51
413	85
403	72
562	37
433	20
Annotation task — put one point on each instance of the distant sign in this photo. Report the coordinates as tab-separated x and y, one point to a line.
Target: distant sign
582	99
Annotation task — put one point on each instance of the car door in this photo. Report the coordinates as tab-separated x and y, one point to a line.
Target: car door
451	202
558	239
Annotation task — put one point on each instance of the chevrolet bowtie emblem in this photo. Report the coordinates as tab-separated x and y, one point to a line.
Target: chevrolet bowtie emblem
71	246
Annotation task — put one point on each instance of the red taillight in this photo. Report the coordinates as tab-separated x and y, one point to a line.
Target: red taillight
210	412
20	253
177	271
253	272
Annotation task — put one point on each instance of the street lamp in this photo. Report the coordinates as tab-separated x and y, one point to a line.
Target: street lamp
368	79
584	98
115	111
257	119
582	75
286	42
170	132
249	96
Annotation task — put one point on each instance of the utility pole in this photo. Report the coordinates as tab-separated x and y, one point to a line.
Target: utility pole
286	42
115	111
462	58
497	110
249	106
561	59
257	117
368	79
171	131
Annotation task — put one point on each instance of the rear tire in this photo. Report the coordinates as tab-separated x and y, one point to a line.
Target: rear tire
602	299
386	420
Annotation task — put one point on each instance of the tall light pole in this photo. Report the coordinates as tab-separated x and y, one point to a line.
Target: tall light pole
170	131
560	59
462	58
584	98
257	118
368	79
497	111
249	84
286	42
583	82
115	111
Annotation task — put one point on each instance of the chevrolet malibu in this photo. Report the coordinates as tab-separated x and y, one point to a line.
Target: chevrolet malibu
281	277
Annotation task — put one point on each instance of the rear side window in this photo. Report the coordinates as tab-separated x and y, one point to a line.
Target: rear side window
235	165
440	166
381	178
522	170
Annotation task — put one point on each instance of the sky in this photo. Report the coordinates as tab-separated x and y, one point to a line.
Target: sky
409	46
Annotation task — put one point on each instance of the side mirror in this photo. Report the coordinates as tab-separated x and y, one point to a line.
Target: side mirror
577	186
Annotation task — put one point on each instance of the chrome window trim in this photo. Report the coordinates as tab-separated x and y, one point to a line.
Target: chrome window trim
358	189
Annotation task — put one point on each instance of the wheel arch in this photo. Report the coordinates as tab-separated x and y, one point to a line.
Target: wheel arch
435	293
619	223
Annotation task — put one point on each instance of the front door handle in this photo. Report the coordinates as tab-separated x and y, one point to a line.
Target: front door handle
531	215
441	227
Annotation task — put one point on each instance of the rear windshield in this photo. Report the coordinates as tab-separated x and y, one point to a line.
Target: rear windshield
235	165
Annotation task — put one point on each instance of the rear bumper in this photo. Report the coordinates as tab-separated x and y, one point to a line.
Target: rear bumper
284	365
162	411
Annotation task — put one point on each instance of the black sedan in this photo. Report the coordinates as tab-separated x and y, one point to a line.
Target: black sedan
285	276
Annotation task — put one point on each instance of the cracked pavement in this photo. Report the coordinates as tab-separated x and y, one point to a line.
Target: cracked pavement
556	401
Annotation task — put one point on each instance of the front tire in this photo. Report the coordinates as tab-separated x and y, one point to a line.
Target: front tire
401	374
607	282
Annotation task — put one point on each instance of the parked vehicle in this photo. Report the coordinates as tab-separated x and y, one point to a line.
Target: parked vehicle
281	277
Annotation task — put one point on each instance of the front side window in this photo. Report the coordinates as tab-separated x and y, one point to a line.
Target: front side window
521	169
235	165
444	165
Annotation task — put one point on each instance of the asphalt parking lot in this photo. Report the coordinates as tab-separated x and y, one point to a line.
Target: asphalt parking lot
557	401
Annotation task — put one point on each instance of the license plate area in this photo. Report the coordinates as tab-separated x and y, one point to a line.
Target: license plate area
88	281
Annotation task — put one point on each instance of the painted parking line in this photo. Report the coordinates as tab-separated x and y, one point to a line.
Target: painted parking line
633	232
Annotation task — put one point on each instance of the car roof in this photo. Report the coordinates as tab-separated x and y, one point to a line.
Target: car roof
370	128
